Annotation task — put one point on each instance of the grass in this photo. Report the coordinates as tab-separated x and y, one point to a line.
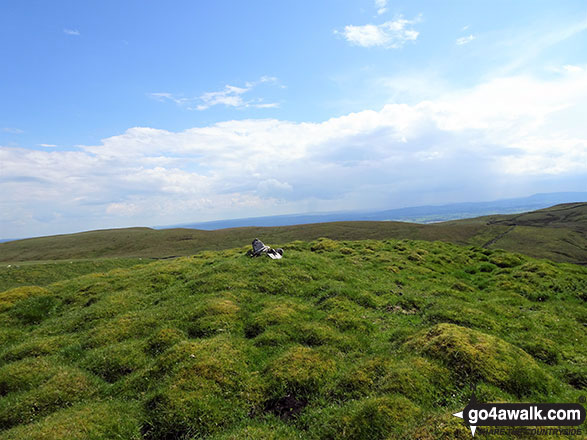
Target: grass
558	233
41	273
379	339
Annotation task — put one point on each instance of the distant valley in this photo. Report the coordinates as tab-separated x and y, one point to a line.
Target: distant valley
416	214
558	233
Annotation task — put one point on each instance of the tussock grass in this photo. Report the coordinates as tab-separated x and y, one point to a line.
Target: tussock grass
9	297
88	421
339	339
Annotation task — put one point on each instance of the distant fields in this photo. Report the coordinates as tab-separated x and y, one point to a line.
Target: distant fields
371	339
558	233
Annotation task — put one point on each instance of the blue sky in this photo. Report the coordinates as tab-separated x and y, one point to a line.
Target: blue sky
129	113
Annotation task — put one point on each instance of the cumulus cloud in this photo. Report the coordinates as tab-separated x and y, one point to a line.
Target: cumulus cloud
390	35
507	133
71	32
229	96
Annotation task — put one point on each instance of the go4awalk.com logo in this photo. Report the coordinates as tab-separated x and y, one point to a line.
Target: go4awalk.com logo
566	415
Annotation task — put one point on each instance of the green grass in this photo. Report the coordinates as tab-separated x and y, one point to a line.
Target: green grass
42	273
558	233
378	339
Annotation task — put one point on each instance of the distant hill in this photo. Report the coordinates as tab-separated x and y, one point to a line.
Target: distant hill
558	233
417	214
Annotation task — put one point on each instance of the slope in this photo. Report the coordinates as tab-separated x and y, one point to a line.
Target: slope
558	233
350	340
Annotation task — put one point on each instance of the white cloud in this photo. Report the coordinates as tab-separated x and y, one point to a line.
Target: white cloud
71	32
162	97
229	96
47	145
273	188
381	6
267	105
465	40
480	142
265	79
122	209
573	69
390	35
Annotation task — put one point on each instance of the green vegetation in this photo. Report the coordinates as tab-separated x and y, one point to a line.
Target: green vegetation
378	339
43	273
558	233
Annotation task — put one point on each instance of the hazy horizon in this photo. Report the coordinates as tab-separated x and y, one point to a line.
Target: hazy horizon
117	115
348	215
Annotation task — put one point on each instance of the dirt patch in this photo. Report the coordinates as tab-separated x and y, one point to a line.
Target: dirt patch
286	407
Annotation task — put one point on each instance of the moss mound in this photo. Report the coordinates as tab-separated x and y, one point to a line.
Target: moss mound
273	430
476	356
215	316
93	421
9	297
26	374
163	339
206	386
115	361
370	418
300	371
66	387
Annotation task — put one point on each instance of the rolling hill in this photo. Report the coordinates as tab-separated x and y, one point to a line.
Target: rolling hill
558	233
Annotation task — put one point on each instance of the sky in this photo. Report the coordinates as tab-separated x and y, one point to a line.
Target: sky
146	113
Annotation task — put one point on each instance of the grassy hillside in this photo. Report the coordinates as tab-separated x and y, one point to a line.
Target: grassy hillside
47	272
350	340
145	242
558	233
